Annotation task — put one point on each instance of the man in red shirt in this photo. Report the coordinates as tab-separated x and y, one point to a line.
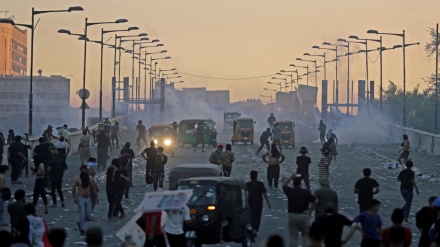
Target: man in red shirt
153	230
397	234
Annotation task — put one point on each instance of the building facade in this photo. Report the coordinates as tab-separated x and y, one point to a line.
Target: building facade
51	103
13	50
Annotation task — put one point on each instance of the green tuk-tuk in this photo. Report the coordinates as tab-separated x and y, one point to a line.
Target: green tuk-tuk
186	132
228	119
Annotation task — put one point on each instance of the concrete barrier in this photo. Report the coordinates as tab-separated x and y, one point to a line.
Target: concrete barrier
420	140
73	137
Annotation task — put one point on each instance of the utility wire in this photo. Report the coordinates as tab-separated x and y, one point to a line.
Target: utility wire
229	79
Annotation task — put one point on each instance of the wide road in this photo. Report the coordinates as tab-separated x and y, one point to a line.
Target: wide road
351	160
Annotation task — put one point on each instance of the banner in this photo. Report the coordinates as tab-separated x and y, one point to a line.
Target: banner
164	200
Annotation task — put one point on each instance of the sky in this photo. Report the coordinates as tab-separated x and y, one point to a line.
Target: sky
232	39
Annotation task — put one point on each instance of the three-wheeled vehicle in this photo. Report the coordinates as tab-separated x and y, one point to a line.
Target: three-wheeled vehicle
220	207
287	133
191	171
186	133
228	119
243	131
162	135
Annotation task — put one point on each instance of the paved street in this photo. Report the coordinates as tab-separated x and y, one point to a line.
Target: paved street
351	161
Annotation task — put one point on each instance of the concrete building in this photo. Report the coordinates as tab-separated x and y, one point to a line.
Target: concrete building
13	50
51	102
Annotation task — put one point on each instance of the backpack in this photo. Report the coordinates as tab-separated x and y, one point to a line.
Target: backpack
6	194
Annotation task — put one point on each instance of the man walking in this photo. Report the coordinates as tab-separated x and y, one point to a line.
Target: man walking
324	165
322	127
365	188
264	140
256	191
56	168
102	149
227	158
325	196
334	223
114	134
150	155
159	169
200	135
142	131
424	220
84	147
299	204
62	147
215	157
276	133
407	184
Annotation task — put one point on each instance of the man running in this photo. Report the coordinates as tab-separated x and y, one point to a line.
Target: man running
276	133
264	140
404	152
141	133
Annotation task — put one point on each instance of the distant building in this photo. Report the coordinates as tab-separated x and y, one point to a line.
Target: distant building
51	102
13	50
218	98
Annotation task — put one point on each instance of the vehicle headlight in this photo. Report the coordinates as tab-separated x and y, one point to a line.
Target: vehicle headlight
205	218
155	141
167	142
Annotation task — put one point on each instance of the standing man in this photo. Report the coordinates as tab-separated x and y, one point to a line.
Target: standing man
102	149
56	168
84	147
264	140
325	196
42	150
276	134
271	120
228	158
107	125
174	226
303	162
215	157
159	169
62	147
64	131
256	191
16	158
150	155
200	137
404	152
142	131
424	220
322	127
114	134
128	154
48	134
324	165
16	209
334	223
85	185
300	203
407	184
365	188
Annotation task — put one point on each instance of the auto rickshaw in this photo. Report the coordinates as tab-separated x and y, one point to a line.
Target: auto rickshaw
221	211
186	132
243	131
191	171
162	135
287	133
228	119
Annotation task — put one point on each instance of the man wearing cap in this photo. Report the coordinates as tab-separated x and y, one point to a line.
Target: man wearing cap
215	157
48	134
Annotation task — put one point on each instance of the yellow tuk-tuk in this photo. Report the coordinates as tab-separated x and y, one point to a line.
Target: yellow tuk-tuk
287	133
243	131
162	135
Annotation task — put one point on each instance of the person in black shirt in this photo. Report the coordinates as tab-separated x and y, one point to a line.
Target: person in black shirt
256	191
45	155
200	135
322	127
303	161
142	132
114	189
56	168
365	188
264	140
16	158
334	224
102	149
298	202
126	157
151	154
407	183
159	169
271	120
424	220
114	134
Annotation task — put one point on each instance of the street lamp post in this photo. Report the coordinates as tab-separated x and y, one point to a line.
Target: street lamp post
306	67
324	62
278	78
31	76
297	77
151	82
274	83
312	61
87	24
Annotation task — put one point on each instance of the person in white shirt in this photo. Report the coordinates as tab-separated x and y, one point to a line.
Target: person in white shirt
174	226
63	148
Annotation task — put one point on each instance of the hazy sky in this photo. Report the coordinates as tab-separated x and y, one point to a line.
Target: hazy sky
232	39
